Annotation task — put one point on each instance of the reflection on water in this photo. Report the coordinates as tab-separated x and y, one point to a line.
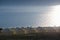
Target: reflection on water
51	18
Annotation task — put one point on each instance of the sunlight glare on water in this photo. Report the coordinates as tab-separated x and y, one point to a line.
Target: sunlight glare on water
55	15
51	17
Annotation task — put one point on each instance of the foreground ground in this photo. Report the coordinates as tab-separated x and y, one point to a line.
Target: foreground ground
39	36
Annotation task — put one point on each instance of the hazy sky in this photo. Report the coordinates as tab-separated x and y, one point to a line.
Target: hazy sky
25	12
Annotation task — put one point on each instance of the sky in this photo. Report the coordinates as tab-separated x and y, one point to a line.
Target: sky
18	13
